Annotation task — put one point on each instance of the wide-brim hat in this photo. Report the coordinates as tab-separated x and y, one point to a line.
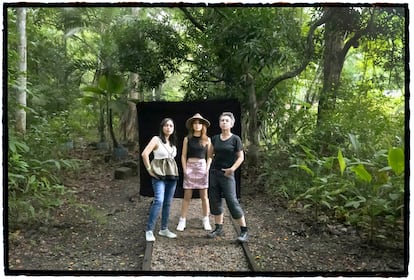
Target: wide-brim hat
196	117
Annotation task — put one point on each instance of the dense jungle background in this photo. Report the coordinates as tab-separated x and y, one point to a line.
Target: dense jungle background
322	91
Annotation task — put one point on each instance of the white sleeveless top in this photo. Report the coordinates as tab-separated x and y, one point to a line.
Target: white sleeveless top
164	150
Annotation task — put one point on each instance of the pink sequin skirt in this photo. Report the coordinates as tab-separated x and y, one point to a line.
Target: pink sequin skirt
196	176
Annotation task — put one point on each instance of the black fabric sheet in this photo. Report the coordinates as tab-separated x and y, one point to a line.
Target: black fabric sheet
150	115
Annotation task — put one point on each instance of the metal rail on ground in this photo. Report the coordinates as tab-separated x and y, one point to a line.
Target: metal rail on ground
192	235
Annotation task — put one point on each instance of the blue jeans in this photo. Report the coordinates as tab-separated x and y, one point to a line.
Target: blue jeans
163	194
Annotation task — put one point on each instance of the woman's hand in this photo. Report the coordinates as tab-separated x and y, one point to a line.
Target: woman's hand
228	172
152	174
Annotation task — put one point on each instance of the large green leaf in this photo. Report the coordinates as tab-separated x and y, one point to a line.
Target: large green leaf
362	173
355	143
103	83
396	160
111	84
342	163
93	89
115	84
305	168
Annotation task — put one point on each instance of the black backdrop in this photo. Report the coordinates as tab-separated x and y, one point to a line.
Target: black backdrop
150	115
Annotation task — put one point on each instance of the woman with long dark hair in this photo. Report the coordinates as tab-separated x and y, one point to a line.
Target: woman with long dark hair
164	175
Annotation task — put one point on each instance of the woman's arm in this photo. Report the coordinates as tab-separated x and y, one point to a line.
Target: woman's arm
184	155
240	158
152	145
209	159
210	153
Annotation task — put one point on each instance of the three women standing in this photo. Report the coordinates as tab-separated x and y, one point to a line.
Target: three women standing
225	150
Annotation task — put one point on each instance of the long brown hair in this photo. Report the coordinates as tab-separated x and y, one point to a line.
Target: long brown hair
203	138
173	136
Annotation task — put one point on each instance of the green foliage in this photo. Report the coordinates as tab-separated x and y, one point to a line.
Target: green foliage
396	160
149	48
110	96
362	193
239	42
275	175
326	189
34	185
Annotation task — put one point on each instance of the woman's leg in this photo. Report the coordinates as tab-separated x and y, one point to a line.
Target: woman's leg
188	194
204	202
168	196
216	204
235	209
205	209
241	221
214	194
230	195
158	188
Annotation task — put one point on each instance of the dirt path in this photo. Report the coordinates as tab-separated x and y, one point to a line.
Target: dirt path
192	250
110	239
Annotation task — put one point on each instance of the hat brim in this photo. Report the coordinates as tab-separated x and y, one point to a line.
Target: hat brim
190	120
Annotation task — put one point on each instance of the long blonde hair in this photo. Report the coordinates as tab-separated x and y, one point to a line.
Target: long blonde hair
203	138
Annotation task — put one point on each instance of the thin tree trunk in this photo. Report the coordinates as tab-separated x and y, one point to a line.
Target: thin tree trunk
253	151
22	78
129	126
111	130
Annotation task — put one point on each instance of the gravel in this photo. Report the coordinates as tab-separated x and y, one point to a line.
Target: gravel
192	250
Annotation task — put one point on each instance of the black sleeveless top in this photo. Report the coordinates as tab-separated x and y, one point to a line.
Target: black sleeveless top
195	149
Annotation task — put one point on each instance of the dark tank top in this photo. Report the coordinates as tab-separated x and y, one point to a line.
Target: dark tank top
195	149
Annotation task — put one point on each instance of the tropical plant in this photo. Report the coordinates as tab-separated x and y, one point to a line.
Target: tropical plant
365	193
109	95
34	185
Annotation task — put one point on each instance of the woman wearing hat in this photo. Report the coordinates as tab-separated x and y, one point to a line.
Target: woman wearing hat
195	168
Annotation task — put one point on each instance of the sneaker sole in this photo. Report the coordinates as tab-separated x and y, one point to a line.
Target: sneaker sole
171	237
214	236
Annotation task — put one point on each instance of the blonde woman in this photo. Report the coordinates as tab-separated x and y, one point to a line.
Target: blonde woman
195	168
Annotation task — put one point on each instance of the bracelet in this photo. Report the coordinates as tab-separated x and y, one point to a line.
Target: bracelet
149	168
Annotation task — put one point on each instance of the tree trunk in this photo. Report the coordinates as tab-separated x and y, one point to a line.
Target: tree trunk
253	133
101	126
156	94
129	124
333	63
111	130
22	76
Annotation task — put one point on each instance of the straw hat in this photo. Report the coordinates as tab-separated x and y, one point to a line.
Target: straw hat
196	117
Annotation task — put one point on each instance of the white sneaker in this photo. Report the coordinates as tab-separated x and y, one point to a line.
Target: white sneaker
181	224
167	233
149	236
206	223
